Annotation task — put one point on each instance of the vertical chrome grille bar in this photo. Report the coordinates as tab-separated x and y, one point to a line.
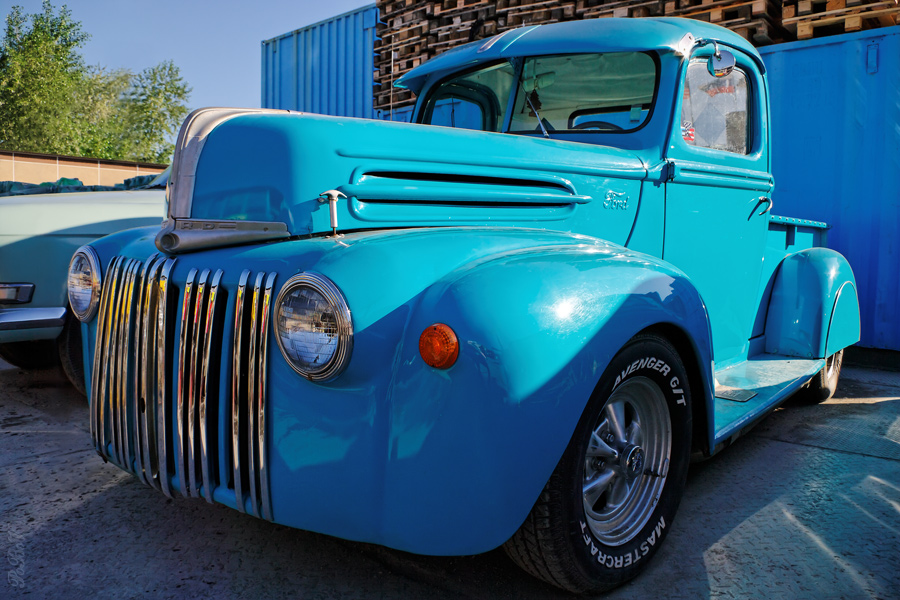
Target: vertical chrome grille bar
209	323
162	404
106	375
261	395
115	366
252	437
99	344
109	365
118	369
139	358
236	387
148	390
183	362
193	384
131	269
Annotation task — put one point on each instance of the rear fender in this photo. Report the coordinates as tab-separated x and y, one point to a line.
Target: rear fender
537	328
814	310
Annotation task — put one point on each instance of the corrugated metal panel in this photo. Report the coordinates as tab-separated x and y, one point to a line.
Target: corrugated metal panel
836	158
326	68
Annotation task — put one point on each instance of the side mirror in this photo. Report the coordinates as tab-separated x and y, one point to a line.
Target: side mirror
721	63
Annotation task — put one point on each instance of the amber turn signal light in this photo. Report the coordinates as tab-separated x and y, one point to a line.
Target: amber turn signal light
439	346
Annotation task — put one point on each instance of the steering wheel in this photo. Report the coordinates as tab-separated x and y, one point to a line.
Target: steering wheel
605	125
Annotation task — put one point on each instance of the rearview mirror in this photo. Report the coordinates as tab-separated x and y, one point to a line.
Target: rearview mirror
721	63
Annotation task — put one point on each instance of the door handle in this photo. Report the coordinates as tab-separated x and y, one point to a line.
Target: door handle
768	202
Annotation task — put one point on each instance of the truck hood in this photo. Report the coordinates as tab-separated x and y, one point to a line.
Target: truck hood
243	176
91	214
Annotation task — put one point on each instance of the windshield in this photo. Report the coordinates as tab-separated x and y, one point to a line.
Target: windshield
609	93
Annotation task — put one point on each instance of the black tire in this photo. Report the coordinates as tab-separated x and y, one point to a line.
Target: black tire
822	387
589	544
71	356
36	354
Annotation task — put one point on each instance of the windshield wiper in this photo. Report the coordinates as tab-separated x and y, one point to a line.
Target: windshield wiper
536	113
515	66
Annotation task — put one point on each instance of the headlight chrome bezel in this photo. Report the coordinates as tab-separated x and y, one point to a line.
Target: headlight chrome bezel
335	298
93	260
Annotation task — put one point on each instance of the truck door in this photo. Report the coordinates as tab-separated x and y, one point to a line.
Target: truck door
717	198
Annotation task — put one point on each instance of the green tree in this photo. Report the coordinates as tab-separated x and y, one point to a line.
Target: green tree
155	106
51	102
97	107
40	71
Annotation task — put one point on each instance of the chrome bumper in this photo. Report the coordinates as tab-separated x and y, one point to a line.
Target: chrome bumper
14	319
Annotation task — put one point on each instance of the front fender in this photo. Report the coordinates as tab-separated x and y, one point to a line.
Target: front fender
436	462
814	310
471	447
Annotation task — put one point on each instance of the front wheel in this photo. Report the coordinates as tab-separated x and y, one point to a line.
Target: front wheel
613	496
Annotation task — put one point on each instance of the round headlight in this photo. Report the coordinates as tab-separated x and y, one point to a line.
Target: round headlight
84	283
313	326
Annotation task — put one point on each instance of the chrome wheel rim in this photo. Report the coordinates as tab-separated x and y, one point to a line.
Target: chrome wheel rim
626	461
830	362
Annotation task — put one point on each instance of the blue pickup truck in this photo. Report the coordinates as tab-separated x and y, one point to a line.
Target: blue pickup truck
511	323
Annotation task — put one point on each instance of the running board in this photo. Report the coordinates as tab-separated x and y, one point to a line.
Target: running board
749	390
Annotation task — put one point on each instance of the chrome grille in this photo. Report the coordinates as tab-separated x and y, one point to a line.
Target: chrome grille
160	431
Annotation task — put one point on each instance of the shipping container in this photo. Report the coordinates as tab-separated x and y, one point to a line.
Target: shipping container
326	68
836	158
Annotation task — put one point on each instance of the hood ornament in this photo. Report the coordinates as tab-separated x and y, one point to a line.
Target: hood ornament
331	197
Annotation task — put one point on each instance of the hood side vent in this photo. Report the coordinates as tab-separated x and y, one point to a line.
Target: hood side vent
452	189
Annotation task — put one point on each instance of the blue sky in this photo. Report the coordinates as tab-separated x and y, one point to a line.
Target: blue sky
216	44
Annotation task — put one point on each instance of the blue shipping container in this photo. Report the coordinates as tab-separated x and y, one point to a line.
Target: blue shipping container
326	68
836	158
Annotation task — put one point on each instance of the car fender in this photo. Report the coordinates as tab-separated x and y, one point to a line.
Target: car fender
814	310
536	329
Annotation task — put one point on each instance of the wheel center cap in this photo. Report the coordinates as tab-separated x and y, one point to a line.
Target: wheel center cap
633	461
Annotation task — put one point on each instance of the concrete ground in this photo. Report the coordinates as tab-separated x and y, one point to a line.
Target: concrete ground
806	506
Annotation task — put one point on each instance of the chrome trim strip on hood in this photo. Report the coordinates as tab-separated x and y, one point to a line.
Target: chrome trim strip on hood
184	235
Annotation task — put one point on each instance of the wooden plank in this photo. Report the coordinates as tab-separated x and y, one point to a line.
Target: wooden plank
876	8
853	23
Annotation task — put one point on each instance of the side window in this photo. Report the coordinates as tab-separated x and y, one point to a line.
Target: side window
474	100
715	112
451	111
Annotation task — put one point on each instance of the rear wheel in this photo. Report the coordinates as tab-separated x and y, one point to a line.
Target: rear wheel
613	496
822	387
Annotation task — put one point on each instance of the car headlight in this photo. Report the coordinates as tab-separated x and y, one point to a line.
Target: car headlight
84	283
313	326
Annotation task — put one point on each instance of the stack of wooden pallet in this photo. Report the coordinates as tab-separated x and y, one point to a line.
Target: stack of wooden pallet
591	9
457	22
402	45
519	13
818	18
758	21
414	31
